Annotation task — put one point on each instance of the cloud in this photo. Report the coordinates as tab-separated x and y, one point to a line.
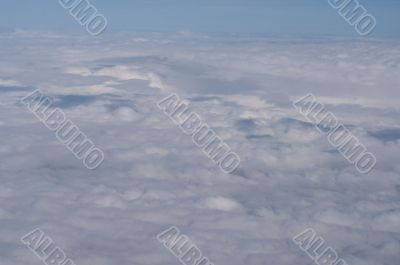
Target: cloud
154	176
221	203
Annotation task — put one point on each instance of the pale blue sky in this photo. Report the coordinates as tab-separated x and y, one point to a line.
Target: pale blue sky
260	17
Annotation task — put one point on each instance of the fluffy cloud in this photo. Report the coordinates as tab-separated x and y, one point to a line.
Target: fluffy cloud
290	177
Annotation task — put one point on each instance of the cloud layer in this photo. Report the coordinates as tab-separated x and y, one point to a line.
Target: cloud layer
154	177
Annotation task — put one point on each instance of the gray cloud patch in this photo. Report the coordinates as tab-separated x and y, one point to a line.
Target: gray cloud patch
5	89
386	135
69	101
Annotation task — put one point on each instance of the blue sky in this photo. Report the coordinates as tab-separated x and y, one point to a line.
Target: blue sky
260	17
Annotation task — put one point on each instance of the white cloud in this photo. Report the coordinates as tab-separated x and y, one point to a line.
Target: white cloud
221	203
154	176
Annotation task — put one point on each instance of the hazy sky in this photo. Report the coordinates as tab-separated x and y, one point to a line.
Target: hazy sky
263	17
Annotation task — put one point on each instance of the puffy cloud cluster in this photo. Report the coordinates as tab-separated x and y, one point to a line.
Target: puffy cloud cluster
154	177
